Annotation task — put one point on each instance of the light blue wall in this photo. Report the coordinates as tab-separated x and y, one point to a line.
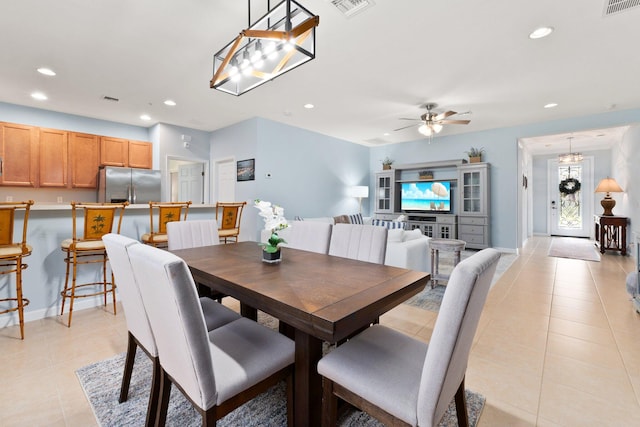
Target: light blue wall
309	171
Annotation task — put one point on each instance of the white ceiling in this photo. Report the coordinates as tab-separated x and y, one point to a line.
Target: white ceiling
371	69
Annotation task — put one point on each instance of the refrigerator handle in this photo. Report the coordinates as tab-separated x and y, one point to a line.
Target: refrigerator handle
132	195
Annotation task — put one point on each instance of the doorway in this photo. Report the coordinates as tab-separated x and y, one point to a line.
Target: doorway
187	180
226	180
571	202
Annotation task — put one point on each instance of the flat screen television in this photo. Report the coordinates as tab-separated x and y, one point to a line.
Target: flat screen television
426	196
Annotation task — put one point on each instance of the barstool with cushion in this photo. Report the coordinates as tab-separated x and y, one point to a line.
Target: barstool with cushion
88	248
228	215
164	212
11	254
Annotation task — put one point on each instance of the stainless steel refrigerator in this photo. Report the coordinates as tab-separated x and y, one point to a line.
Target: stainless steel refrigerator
117	184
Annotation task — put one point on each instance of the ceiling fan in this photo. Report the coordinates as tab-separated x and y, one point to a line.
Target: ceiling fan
431	122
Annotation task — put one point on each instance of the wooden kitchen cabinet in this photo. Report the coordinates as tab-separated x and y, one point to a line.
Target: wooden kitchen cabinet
114	151
140	154
123	152
18	155
53	158
84	159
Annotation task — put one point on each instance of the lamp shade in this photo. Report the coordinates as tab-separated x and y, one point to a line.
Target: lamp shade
358	191
608	185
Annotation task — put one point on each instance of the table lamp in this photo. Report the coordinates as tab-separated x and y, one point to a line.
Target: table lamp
359	191
608	185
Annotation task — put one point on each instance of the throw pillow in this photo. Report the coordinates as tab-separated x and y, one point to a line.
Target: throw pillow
388	224
341	219
298	218
356	219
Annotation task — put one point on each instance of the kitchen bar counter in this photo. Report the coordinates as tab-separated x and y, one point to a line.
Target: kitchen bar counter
42	281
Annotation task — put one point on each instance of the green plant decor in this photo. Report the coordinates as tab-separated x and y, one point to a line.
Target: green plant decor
475	152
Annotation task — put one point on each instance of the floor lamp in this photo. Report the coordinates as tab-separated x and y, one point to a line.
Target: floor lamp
359	191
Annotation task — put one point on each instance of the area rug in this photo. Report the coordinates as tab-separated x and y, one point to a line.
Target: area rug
573	247
430	299
101	384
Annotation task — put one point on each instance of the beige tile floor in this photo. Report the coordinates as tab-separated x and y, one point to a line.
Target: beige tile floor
558	345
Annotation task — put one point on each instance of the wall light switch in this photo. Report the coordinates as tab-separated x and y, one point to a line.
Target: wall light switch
59	199
9	198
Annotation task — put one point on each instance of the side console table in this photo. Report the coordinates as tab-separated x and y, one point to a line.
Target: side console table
611	233
447	245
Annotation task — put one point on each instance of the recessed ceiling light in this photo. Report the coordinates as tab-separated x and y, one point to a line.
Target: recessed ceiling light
309	106
39	96
46	71
170	103
386	134
551	105
540	32
145	117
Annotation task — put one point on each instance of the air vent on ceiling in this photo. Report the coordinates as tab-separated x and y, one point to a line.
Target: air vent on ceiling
612	7
351	7
110	98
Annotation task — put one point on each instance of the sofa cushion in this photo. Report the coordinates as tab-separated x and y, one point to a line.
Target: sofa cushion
395	235
412	235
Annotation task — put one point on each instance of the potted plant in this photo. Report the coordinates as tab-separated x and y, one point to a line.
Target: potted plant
274	221
387	162
475	154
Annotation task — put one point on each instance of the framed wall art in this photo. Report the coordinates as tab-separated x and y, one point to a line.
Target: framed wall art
246	170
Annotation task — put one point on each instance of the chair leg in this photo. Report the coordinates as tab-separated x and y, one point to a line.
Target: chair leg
67	260
128	368
73	287
329	404
154	396
290	402
461	406
104	278
19	296
165	392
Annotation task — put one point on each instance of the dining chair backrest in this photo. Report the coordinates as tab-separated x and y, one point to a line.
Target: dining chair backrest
312	236
192	234
135	313
171	301
448	352
229	217
99	219
7	218
361	242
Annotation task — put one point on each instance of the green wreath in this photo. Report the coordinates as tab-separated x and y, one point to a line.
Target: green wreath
569	186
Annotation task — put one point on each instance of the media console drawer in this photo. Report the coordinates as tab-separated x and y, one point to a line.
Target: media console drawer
473	220
471	229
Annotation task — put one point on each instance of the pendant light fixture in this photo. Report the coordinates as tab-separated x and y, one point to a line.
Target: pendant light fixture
570	157
280	41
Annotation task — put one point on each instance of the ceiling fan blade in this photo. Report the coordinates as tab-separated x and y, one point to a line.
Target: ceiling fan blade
407	118
454	122
406	127
444	115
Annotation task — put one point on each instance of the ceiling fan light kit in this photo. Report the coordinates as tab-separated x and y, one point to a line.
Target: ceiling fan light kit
432	122
280	41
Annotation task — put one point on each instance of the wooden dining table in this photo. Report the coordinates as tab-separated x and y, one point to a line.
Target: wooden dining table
319	297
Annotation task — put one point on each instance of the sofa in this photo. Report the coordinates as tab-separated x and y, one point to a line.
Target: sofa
405	249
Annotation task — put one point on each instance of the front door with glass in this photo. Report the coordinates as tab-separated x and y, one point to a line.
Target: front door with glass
571	201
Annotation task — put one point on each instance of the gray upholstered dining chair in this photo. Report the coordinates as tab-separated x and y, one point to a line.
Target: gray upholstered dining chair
401	380
219	370
312	236
139	329
192	234
195	234
361	242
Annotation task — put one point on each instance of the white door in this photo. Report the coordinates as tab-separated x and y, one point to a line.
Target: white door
191	182
226	182
571	210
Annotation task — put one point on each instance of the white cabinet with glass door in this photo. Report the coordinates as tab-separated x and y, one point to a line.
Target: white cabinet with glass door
474	202
385	181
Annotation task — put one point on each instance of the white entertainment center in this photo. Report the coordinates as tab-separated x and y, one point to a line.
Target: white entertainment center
468	218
